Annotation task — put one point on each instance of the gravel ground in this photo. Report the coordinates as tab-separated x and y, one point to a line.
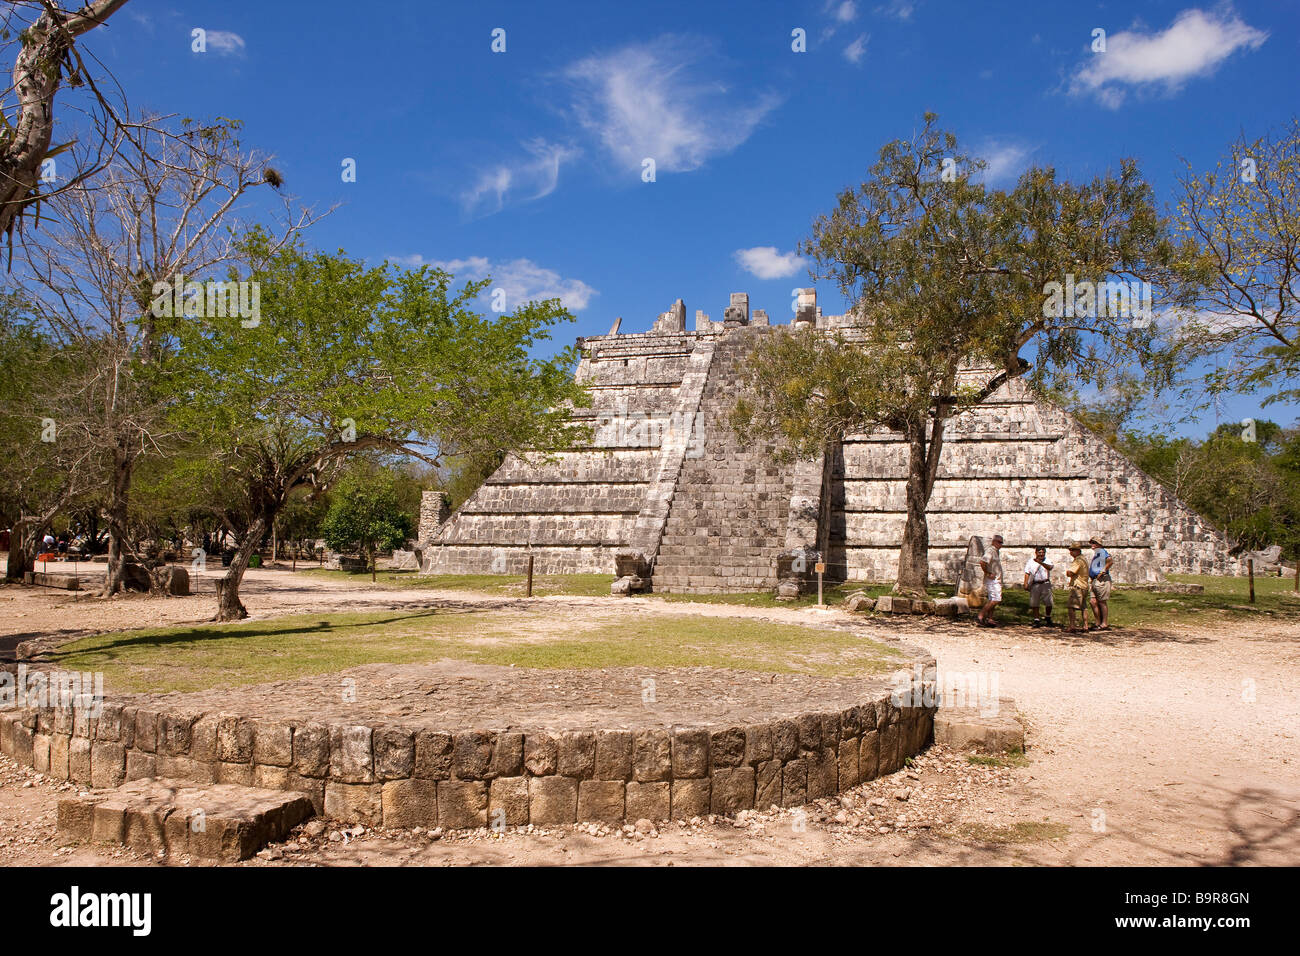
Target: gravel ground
1175	746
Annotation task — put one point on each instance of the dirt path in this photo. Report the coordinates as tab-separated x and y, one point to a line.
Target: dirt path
1172	747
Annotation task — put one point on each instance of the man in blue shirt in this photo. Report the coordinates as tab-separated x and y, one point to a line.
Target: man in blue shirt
1099	572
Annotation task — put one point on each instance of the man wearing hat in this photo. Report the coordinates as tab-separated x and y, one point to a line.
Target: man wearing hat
1077	577
991	564
1038	582
1099	572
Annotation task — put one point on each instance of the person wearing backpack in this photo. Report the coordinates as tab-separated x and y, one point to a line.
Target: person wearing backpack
1099	574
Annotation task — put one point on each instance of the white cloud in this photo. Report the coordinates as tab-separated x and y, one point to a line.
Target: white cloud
1193	45
523	280
1195	324
845	12
531	177
1006	160
223	41
648	101
898	9
766	262
840	12
855	50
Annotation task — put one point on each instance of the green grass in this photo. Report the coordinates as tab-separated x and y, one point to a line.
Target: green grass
188	658
1223	598
1013	758
506	585
1024	832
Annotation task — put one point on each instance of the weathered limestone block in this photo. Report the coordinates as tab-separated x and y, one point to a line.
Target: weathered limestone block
311	750
472	755
552	800
139	766
394	753
234	738
613	755
732	790
648	801
601	800
410	803
272	743
354	802
433	755
767	785
690	798
508	801
651	756
727	747
507	755
576	753
690	754
351	754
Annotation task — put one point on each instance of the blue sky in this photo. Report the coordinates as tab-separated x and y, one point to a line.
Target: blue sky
527	163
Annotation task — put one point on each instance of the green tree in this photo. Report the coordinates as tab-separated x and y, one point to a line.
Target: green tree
951	280
1243	217
365	513
347	359
47	401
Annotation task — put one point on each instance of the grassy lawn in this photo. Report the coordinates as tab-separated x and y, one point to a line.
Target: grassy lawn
506	585
1129	607
249	652
1223	599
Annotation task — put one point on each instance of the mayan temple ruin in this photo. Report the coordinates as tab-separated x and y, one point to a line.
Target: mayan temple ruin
669	500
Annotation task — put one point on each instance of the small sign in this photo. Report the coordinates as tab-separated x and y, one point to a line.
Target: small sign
821	567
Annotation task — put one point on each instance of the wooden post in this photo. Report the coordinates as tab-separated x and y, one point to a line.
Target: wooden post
1250	569
530	574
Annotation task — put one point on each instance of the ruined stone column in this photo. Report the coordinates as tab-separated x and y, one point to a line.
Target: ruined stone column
435	509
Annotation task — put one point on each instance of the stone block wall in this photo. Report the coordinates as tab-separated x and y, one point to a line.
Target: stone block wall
401	776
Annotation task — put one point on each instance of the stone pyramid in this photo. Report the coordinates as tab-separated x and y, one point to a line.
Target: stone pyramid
666	496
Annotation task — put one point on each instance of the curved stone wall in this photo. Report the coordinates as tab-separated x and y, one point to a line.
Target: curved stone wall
401	777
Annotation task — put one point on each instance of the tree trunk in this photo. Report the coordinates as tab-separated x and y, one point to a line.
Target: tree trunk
372	563
922	467
229	607
914	554
117	512
22	556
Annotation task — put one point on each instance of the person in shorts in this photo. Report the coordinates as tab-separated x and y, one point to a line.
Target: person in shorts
1038	582
991	564
1076	576
1099	573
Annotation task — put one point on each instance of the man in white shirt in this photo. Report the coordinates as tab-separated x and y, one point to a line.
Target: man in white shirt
1038	582
991	564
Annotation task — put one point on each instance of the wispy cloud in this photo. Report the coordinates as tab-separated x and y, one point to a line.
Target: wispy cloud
897	9
529	177
1193	45
522	279
857	49
767	262
225	42
1006	159
841	12
653	100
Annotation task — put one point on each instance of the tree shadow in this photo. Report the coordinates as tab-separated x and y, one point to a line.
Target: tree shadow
1264	832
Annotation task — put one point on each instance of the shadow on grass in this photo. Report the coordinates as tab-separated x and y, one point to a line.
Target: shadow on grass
234	630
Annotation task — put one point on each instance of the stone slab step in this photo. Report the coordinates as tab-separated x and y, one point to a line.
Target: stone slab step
220	822
993	728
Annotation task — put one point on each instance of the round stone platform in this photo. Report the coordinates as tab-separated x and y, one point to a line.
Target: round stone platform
455	744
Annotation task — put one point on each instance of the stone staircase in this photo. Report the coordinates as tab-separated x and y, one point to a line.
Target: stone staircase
730	509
